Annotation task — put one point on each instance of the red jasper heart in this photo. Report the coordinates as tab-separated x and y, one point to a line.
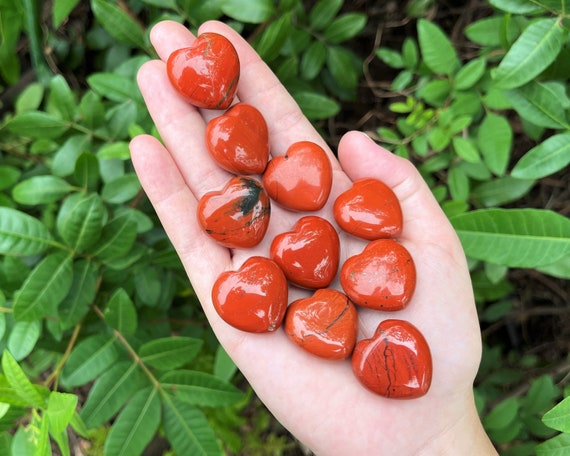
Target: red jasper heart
206	73
382	277
301	179
309	254
253	298
238	140
324	324
238	215
396	362
369	210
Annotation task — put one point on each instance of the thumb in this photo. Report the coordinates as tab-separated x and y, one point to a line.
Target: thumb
361	157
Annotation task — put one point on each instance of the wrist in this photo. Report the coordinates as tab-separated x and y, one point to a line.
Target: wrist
464	435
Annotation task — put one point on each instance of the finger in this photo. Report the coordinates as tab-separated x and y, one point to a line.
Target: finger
423	218
259	87
182	129
175	205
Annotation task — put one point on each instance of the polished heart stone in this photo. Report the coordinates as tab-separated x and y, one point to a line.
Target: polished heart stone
324	324
396	362
381	277
253	298
238	140
369	210
301	179
206	73
236	216
309	254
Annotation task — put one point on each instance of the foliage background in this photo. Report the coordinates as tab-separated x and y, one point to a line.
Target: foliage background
105	350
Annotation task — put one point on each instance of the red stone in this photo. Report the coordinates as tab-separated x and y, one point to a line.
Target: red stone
396	362
253	298
381	277
309	254
324	324
206	74
369	210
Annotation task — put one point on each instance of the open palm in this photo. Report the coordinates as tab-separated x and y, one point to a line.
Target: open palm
319	401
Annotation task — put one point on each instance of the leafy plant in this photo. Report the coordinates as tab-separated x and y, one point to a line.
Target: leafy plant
101	335
303	47
460	122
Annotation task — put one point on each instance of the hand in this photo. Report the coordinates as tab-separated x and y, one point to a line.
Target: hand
319	401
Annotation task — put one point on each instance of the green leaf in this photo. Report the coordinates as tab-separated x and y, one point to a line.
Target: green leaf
92	110
530	54
500	191
121	314
9	175
45	288
89	358
117	238
81	294
556	446
60	410
435	92
495	139
344	27
2	316
518	238
188	430
118	23
390	57
559	417
117	149
61	99
42	442
9	396
458	183
23	338
540	395
86	172
502	414
114	87
468	75
539	103
111	391
136	425
19	382
80	220
121	189
40	190
30	98
316	106
149	285
200	388
22	234
560	268
250	12
436	48
339	63
515	6
273	37
61	10
465	149
224	367
439	139
547	158
169	352
324	11
65	159
485	31
313	60
23	441
37	124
